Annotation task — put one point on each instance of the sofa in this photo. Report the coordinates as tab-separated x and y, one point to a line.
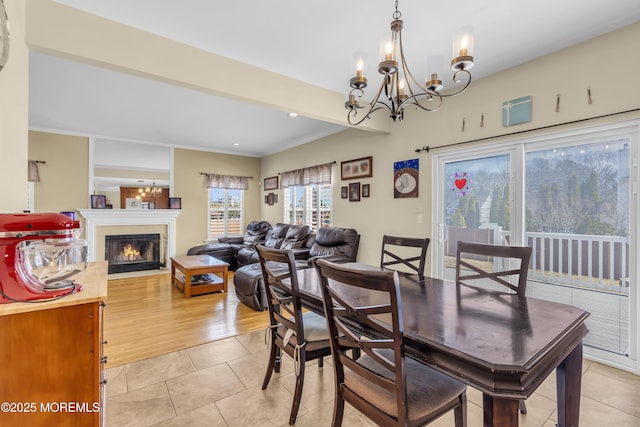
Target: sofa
228	247
333	243
297	238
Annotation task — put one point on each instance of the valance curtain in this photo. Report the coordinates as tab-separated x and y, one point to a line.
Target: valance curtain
319	174
33	174
226	181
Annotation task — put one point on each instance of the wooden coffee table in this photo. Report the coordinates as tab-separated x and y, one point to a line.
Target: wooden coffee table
205	266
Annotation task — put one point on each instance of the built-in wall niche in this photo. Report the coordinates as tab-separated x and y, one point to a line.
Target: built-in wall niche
119	165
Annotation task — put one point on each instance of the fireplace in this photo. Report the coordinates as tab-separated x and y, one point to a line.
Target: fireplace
132	252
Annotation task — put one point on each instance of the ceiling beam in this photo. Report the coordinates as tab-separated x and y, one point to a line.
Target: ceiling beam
62	31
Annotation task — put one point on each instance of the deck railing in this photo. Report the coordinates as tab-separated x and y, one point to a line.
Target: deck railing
586	261
599	262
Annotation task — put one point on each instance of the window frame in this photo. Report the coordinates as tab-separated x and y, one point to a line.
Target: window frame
227	197
308	210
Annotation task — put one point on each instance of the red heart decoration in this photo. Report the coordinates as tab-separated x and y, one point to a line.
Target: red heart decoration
460	183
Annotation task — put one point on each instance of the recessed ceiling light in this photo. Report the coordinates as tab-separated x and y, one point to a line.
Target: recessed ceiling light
236	144
292	115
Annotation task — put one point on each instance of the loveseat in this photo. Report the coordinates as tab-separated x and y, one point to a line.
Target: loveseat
332	243
228	247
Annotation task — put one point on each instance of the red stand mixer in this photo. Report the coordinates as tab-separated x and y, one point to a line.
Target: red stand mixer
40	254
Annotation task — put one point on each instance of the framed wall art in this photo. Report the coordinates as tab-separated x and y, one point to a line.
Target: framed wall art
98	201
344	192
175	203
405	179
271	198
354	192
365	190
357	168
271	183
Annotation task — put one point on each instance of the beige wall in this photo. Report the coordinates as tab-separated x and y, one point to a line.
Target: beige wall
189	185
595	64
14	114
64	179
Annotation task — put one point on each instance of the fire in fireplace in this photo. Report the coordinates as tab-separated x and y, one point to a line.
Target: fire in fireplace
132	252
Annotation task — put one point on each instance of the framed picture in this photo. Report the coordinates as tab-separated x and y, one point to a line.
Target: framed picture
344	192
354	192
365	190
98	201
132	203
357	168
405	179
175	203
271	183
271	198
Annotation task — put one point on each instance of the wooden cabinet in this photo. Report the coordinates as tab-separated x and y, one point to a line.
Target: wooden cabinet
53	363
161	201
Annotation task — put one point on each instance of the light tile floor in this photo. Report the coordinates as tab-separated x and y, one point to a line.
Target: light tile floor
218	384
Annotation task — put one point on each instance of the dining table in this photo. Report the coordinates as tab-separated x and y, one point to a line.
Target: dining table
502	344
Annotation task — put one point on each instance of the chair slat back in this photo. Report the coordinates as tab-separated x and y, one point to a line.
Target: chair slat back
355	324
477	262
390	259
283	301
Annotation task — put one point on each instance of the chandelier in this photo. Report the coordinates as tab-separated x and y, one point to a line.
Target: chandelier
152	191
399	88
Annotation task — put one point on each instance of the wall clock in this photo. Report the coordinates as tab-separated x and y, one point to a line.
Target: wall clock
405	179
4	35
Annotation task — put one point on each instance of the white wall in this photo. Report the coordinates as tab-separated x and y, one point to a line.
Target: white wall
14	114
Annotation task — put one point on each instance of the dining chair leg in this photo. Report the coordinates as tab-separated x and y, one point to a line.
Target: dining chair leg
297	395
271	365
522	406
278	363
321	362
460	413
338	411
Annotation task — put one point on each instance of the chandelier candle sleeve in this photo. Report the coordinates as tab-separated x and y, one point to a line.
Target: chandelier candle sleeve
399	88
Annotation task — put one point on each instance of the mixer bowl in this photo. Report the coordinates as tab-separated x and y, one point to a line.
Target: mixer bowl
50	264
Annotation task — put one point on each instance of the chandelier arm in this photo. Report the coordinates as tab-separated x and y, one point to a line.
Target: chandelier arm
458	92
407	71
375	105
413	100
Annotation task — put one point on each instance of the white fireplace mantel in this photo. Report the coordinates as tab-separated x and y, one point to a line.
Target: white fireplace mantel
106	217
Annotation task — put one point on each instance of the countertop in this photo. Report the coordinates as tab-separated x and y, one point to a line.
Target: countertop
94	288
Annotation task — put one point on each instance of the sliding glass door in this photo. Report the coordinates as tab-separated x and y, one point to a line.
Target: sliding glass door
572	197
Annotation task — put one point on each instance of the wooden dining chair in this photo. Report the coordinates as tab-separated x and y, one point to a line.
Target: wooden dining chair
479	264
304	337
390	259
388	387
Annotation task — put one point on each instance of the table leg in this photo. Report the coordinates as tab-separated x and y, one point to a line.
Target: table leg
225	277
187	284
568	381
499	412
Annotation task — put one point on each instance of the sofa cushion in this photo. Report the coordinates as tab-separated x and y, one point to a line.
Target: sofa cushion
334	241
296	237
277	235
256	232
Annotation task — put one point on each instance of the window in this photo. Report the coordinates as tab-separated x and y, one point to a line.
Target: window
308	205
225	212
574	204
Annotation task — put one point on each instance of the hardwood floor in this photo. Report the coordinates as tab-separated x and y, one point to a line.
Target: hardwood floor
147	316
